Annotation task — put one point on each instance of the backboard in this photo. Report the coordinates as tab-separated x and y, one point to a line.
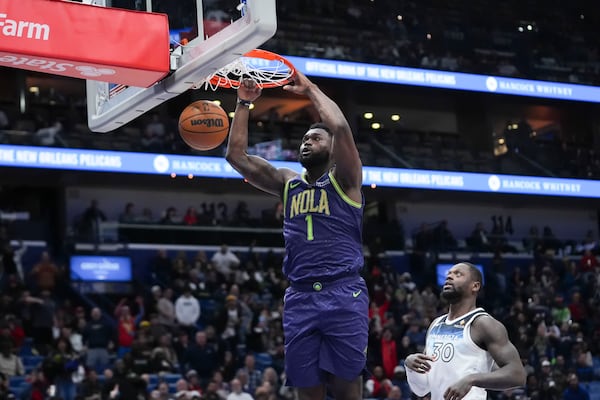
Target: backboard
195	54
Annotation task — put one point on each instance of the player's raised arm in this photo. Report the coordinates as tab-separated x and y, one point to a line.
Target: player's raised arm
258	171
348	167
487	332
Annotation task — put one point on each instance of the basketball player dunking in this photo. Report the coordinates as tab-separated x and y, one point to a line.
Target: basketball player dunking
466	351
325	317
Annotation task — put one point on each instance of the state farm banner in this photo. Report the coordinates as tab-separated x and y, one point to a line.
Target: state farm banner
84	41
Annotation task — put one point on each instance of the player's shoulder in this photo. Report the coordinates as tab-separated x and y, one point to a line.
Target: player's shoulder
485	325
288	174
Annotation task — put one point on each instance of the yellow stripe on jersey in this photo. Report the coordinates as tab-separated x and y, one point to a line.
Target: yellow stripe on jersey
285	196
343	195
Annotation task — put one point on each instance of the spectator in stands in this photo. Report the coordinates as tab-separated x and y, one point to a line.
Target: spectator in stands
159	363
254	375
378	386
575	391
170	217
589	243
479	240
61	367
128	215
532	243
180	272
200	262
578	308
91	219
587	264
422	239
45	273
549	242
166	309
201	357
42	312
237	393
443	239
165	345
211	392
191	217
124	384
127	324
225	261
73	336
389	353
193	382
399	380
11	259
98	339
406	348
14	331
228	366
552	381
160	267
90	388
147	216
181	345
241	215
163	391
395	393
10	363
187	310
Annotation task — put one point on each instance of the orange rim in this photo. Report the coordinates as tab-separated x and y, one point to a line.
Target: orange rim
265	55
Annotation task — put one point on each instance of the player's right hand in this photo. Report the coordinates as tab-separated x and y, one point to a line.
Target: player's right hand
418	362
248	90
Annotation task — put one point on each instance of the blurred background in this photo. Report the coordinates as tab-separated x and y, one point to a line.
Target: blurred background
170	286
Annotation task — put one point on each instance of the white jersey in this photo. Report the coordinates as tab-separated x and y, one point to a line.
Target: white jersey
455	354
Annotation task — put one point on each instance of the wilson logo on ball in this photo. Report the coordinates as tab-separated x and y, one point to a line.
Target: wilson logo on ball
208	122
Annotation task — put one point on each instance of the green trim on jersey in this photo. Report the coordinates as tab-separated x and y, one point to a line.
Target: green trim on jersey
285	196
343	195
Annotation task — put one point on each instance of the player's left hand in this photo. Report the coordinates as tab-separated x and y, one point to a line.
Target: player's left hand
301	84
459	389
249	90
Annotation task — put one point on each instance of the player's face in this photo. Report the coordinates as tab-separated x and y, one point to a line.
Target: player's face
315	148
457	285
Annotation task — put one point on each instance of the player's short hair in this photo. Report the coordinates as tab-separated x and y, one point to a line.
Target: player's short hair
320	125
475	272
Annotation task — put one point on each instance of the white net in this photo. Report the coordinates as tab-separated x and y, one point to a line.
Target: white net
265	72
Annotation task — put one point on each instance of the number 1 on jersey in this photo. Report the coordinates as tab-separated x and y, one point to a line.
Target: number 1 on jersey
309	227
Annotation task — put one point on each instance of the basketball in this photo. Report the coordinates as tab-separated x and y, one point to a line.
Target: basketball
203	125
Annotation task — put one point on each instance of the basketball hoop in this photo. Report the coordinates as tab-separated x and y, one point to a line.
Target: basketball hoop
266	69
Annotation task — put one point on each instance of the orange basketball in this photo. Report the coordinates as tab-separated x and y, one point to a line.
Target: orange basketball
203	125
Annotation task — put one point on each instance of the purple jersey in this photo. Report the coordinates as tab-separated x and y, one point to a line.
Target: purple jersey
322	228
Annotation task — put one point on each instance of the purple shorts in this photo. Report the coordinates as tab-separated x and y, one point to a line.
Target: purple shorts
326	328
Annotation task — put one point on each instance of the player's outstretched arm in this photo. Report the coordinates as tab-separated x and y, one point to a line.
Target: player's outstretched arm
490	334
257	171
348	167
